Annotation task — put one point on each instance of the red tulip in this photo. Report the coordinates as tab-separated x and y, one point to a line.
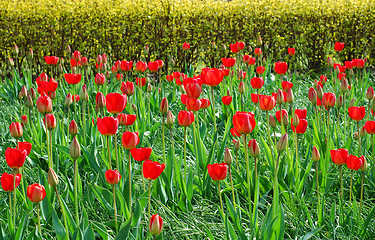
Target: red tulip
253	147
160	63
100	100
156	222
370	93
193	90
339	46
152	170
313	96
169	78
36	192
281	67
50	121
99	79
14	157
153	66
301	127
193	104
255	97
257	51
205	103
286	85
357	113
260	70
339	156
226	100
353	162
115	102
44	104
183	98
257	82
84	61
185	46
234	48
278	116
349	64
370	127
185	118
234	132
267	103
130	119
359	63
246	59
252	61
127	88
141	82
328	100
75	98
72	78
51	60
140	66
112	176
217	171
291	51
107	126
301	113
16	129
126	65
121	117
244	122
24	120
212	76
7	181
228	62
141	154
129	140
73	128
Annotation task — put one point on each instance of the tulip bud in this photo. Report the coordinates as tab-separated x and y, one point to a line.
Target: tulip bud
289	96
319	92
313	96
134	107
53	95
100	100
254	148
231	74
146	49
295	121
104	58
329	61
23	93
99	59
16	130
370	93
272	121
315	83
68	100
228	156
60	68
73	128
159	91
285	120
30	53
241	87
156	225
53	180
362	131
107	73
363	165
282	143
351	103
315	155
83	94
259	40
68	49
356	135
170	118
279	97
43	77
340	102
75	149
351	72
15	49
164	106
344	85
50	121
24	120
32	93
149	87
11	62
237	145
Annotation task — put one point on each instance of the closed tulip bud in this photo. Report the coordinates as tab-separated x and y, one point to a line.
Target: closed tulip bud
285	120
164	106
156	225
23	93
43	77
134	107
259	40
15	50
146	49
149	87
315	83
282	143
319	92
237	145
83	95
272	121
31	93
289	96
279	97
254	148
68	100
16	130
11	62
53	180
53	95
241	87
351	103
44	104
312	96
107	73
340	102
231	74
50	121
370	93
68	49
363	165
100	100
295	121
60	68
29	102
24	120
99	59
170	118
159	90
329	61
73	128
351	72
362	131
75	149
315	155
30	53
344	85
228	156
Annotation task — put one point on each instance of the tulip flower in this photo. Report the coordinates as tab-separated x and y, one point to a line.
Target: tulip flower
228	62
185	46
281	67
260	70
141	154
99	79
286	85
44	104
301	113
185	118
257	82
72	78
359	63
244	122
218	172
339	157
153	66
357	113
127	88
115	102
112	176
291	51
301	127
227	100
15	158
257	51
193	90
339	46
107	126
140	66
16	130
193	104
25	146
36	193
353	163
246	59
51	60
156	223
7	181
267	103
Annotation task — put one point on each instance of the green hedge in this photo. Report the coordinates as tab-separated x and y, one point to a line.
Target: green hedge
122	28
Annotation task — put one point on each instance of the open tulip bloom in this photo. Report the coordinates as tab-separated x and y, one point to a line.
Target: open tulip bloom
151	170
218	172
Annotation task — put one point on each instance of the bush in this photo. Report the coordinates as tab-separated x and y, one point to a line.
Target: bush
121	28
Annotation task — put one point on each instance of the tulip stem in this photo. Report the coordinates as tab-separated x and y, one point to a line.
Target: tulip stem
50	146
185	166
281	120
115	142
317	187
130	182
76	190
149	199
47	140
341	181
351	184
275	188
195	146
372	143
242	103
360	205
238	169
359	140
213	107
11	211
328	126
38	216
221	200
14	196
114	206
247	171
163	137
231	183
83	119
63	213
268	126
109	154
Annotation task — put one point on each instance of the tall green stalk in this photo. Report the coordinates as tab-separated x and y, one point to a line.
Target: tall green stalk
114	206
63	213
247	171
221	200
213	107
185	166
109	153
149	199
130	182
276	188
163	137
76	191
231	184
